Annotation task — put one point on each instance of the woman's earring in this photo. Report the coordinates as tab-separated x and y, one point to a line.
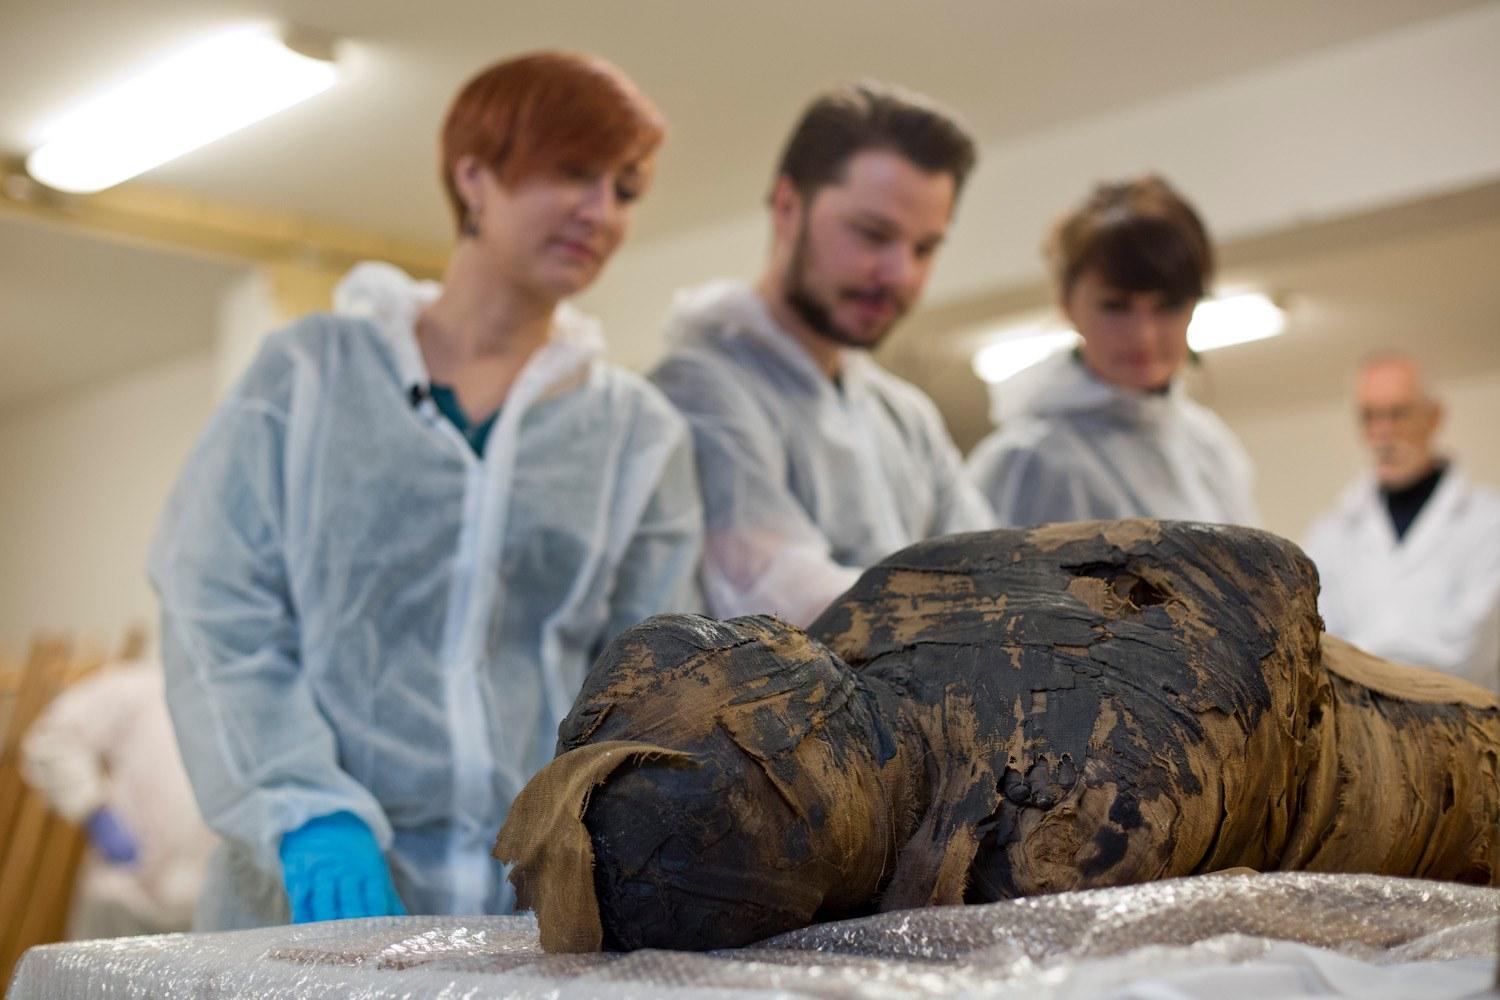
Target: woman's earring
470	224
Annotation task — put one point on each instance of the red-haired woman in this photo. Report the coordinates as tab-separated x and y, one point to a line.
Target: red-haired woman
394	553
1107	431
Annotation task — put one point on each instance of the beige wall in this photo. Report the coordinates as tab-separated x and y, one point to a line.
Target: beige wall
1304	455
86	477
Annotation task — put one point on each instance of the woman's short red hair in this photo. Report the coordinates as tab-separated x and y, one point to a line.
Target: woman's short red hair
538	112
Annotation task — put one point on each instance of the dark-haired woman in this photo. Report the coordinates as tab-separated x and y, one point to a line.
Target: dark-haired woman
406	533
1106	431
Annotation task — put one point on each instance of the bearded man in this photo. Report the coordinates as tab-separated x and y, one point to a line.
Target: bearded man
814	461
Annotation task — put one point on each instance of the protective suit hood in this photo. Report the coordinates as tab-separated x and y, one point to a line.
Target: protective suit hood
1072	447
716	310
393	300
719	314
1063	385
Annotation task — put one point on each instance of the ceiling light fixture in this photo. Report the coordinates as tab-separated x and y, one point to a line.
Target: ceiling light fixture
1223	321
184	102
1234	319
1018	350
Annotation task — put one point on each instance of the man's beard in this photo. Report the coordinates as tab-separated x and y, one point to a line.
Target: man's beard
816	312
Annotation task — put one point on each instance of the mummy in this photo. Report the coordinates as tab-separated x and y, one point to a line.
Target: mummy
994	715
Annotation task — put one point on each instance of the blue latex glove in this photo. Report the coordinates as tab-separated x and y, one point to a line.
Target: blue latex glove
333	869
109	837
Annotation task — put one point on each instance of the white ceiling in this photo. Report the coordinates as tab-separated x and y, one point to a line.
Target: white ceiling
729	76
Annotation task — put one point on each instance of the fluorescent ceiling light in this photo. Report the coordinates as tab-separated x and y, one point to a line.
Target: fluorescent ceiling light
998	361
185	102
1219	322
1234	319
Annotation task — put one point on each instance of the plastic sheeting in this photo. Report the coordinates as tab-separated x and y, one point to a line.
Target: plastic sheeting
1219	937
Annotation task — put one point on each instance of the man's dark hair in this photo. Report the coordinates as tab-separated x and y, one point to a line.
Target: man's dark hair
855	118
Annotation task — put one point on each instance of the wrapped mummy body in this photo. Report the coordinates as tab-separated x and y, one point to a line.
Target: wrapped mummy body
995	715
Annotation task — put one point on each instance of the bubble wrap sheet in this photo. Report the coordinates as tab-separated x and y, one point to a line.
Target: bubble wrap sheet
1219	937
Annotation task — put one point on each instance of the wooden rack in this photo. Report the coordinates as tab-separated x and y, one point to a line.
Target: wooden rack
40	852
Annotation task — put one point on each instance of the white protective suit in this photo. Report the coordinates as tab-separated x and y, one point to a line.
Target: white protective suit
361	614
1431	598
1072	447
805	482
107	741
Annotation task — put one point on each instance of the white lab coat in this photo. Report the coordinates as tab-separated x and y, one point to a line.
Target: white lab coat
1432	598
107	740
